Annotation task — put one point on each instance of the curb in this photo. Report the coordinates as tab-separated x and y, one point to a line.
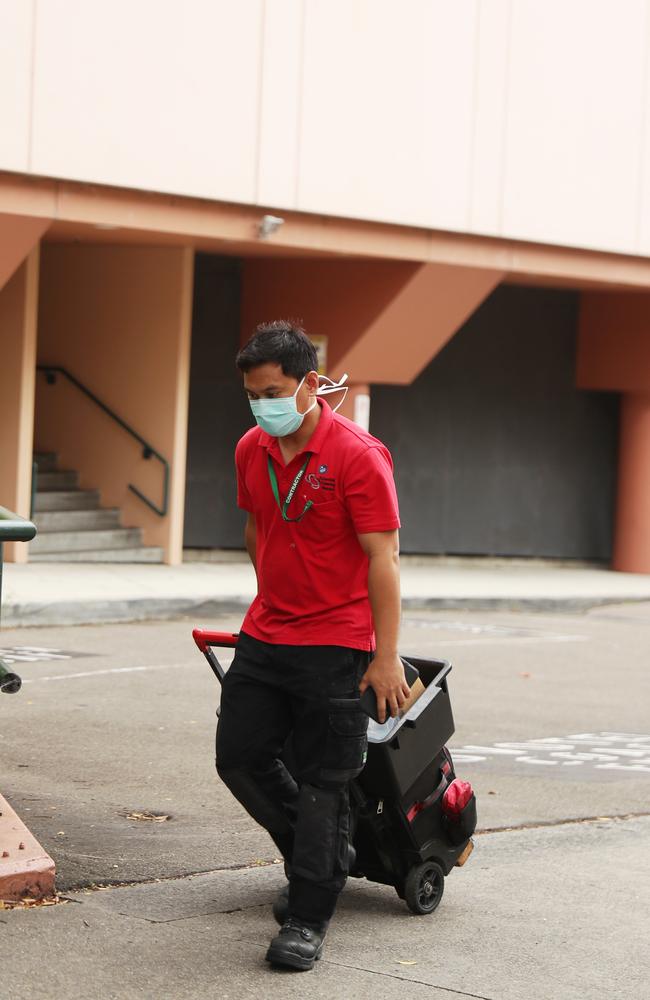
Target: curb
157	608
104	612
26	870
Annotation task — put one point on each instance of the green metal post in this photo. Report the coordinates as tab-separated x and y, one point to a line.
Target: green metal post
9	682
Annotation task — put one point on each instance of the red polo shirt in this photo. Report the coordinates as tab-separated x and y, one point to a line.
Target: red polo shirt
313	573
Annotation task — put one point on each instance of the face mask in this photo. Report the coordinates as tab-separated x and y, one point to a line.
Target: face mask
279	417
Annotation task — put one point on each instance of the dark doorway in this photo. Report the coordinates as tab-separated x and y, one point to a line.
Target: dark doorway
496	451
218	411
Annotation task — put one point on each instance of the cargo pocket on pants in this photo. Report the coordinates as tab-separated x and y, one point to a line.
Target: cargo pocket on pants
347	742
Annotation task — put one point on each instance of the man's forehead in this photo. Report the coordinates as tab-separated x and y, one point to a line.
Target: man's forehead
266	377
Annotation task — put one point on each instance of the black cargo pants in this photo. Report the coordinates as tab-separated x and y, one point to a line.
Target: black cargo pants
311	694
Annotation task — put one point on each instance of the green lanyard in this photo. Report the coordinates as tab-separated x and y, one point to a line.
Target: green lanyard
284	507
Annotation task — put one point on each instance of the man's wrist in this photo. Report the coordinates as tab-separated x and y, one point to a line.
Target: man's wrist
384	654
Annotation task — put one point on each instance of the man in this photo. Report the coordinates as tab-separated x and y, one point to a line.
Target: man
322	534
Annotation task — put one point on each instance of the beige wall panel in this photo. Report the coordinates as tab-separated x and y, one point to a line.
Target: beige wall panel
575	104
16	20
280	103
387	110
153	94
644	212
490	116
118	318
18	309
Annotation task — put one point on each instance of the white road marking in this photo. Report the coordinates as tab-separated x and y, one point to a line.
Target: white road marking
583	756
99	673
624	767
626	752
32	654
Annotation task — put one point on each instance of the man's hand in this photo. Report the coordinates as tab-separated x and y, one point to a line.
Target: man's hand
385	676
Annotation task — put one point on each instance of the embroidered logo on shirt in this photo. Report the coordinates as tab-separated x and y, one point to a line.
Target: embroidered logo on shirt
312	479
327	482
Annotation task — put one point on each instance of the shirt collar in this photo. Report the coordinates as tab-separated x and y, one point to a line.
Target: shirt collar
315	442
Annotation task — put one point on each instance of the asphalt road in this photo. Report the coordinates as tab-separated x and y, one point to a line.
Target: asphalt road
552	728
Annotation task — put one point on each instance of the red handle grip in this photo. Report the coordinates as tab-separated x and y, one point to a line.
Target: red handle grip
204	637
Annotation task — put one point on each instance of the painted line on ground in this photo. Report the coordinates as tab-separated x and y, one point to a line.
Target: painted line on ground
38	654
628	752
99	673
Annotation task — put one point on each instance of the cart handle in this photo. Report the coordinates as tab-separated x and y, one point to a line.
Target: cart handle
204	638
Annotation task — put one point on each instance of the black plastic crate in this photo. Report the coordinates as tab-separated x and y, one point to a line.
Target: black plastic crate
397	759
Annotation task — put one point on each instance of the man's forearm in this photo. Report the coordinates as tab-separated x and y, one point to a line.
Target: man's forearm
384	594
386	673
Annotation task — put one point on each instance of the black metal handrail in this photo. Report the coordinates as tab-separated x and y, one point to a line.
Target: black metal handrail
148	451
13	528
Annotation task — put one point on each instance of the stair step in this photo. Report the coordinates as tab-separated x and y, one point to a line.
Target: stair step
63	480
65	542
77	520
66	500
142	554
47	461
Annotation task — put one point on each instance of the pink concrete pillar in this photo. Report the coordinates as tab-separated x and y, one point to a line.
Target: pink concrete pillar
632	535
18	314
353	406
614	355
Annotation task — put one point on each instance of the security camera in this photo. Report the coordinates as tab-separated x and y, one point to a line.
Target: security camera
269	225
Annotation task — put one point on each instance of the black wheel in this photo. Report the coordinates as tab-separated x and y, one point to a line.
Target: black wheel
424	887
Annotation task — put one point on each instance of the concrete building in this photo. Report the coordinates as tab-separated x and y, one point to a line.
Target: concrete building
464	192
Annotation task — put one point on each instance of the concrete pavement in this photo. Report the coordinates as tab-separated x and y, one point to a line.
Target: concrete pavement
543	914
115	723
74	593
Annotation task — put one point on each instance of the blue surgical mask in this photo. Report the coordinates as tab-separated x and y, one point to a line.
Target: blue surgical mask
279	417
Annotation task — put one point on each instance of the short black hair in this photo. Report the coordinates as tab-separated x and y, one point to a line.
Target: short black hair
283	343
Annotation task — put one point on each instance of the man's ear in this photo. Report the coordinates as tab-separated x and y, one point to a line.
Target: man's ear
311	381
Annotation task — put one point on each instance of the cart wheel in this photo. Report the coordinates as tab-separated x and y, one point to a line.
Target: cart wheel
424	887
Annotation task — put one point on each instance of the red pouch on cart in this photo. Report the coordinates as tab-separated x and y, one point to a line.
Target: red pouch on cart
459	811
456	797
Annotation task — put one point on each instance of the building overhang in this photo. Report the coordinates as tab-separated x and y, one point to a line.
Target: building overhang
89	213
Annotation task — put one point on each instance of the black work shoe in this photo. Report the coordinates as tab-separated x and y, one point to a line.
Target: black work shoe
281	905
297	946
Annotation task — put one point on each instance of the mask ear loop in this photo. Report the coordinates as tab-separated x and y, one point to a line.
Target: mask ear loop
326	390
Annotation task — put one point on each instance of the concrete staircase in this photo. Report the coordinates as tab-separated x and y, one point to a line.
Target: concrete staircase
72	527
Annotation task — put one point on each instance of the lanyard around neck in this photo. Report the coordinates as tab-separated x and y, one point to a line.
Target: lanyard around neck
284	507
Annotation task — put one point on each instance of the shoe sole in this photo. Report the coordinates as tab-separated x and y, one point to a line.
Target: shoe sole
293	961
